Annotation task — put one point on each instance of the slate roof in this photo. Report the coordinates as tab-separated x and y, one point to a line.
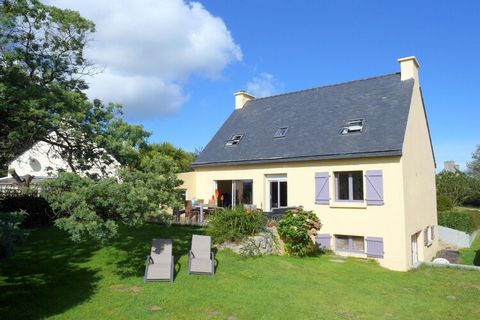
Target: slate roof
315	118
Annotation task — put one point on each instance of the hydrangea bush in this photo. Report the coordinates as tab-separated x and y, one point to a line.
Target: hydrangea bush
296	229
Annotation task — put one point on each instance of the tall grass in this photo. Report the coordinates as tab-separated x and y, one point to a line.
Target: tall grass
235	224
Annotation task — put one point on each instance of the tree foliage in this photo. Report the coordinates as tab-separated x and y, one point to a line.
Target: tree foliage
182	158
10	232
474	165
42	98
455	185
41	81
94	208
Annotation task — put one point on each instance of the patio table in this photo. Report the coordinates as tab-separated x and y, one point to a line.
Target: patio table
205	206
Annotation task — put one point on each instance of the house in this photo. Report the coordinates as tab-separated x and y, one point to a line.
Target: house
44	160
358	154
450	166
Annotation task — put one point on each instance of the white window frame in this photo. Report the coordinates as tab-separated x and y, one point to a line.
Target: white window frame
268	180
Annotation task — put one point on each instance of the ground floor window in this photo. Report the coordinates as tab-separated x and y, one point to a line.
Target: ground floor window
349	243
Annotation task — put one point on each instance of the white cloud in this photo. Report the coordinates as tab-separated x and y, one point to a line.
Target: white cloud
149	49
263	85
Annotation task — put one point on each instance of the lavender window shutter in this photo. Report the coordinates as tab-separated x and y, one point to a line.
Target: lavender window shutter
323	241
322	191
433	232
375	247
425	236
374	182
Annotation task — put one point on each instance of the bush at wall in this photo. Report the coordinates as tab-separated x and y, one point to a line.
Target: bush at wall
444	203
38	211
10	232
296	228
467	221
235	224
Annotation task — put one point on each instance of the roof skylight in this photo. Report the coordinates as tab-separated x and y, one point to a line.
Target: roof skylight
234	140
281	132
353	126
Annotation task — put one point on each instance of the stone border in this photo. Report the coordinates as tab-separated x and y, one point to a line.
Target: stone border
452	265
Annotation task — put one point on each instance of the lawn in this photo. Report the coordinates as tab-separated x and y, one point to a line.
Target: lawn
50	277
471	255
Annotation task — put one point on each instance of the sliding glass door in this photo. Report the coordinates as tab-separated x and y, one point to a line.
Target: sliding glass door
232	193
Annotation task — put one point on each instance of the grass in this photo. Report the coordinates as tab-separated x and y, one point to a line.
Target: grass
50	277
471	255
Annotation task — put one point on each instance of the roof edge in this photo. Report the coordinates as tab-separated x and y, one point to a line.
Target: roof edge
372	154
329	85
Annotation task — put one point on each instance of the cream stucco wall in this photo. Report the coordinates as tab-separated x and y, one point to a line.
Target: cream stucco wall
386	221
188	184
419	180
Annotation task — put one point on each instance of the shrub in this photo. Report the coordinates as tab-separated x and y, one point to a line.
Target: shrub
444	203
235	224
456	185
38	211
460	220
295	229
10	232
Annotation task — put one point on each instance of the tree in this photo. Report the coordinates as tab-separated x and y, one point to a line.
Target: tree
182	158
41	90
42	98
95	208
474	165
455	185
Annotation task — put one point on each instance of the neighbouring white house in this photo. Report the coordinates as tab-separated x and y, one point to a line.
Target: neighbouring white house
44	160
358	154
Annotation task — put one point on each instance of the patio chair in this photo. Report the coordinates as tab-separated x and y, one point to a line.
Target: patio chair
190	212
159	264
201	259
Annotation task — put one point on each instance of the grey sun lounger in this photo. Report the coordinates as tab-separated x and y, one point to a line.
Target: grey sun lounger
159	265
201	259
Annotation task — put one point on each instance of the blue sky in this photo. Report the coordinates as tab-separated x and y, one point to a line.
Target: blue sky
278	46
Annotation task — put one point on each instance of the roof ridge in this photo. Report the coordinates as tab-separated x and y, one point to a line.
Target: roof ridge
326	86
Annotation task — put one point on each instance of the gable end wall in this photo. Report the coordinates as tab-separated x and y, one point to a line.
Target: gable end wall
418	166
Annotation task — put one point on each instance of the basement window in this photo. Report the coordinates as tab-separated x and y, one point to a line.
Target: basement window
234	140
353	126
281	132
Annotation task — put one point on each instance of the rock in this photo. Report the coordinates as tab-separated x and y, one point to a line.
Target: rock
260	244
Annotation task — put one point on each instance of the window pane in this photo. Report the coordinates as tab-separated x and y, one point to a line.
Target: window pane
274	194
342	179
247	192
283	194
358	244
357	178
341	243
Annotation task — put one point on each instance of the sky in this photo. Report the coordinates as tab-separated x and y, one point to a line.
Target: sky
174	65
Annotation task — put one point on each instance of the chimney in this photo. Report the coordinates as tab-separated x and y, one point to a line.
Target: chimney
409	68
241	98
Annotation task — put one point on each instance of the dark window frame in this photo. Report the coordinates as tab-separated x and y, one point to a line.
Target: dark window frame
350	186
234	140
